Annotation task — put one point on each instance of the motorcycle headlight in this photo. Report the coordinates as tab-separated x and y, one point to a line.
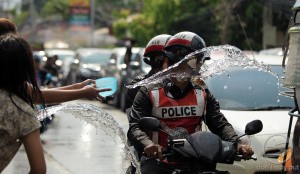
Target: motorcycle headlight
76	61
59	62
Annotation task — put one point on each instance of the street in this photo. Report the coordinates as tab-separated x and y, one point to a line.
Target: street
72	145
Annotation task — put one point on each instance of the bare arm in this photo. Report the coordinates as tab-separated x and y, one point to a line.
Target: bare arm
34	151
76	85
59	96
71	92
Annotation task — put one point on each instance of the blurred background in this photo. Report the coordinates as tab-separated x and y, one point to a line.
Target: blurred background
78	39
101	23
74	40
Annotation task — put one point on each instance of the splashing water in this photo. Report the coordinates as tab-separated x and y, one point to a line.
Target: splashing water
222	57
98	118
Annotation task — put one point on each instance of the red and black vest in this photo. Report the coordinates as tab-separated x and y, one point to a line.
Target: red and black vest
185	112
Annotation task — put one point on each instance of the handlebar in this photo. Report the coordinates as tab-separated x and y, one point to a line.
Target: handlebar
239	157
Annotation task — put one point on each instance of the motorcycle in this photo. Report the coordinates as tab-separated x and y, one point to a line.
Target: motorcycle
201	150
49	81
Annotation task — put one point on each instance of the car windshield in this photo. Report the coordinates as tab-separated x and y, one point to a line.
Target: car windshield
249	89
100	58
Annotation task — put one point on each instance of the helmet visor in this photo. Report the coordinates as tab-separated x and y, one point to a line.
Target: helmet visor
197	59
177	53
154	60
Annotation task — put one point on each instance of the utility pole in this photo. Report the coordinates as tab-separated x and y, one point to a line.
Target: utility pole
31	20
92	20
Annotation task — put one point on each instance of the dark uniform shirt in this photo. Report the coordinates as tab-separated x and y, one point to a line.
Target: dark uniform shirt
131	92
142	107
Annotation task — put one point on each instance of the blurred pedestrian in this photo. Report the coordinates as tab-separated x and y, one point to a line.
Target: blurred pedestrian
128	53
42	77
41	74
50	66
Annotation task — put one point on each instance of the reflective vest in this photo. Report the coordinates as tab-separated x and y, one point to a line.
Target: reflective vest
185	112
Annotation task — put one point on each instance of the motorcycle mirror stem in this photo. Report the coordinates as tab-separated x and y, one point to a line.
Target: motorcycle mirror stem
252	128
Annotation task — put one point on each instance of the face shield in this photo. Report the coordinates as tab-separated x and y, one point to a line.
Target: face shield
177	53
191	62
154	60
196	61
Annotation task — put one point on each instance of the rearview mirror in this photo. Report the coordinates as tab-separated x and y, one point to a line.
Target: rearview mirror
253	127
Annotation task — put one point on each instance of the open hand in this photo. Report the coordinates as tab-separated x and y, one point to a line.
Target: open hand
92	93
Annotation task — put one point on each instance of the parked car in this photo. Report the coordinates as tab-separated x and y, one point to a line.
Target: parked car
89	63
250	94
117	68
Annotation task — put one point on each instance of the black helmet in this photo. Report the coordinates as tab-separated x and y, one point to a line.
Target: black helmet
187	42
154	48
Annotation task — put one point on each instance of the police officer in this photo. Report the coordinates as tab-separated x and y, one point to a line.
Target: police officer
154	56
179	103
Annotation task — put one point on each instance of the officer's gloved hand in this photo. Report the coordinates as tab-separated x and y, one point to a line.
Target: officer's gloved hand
154	151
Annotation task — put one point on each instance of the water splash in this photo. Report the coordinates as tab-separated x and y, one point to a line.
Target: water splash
98	118
222	57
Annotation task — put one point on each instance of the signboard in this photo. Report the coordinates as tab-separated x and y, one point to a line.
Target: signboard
80	14
79	3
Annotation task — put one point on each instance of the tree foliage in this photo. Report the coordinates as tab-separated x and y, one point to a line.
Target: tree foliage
55	7
235	22
172	16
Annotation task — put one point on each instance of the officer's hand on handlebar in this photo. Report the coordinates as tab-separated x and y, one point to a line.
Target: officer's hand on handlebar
154	151
245	151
